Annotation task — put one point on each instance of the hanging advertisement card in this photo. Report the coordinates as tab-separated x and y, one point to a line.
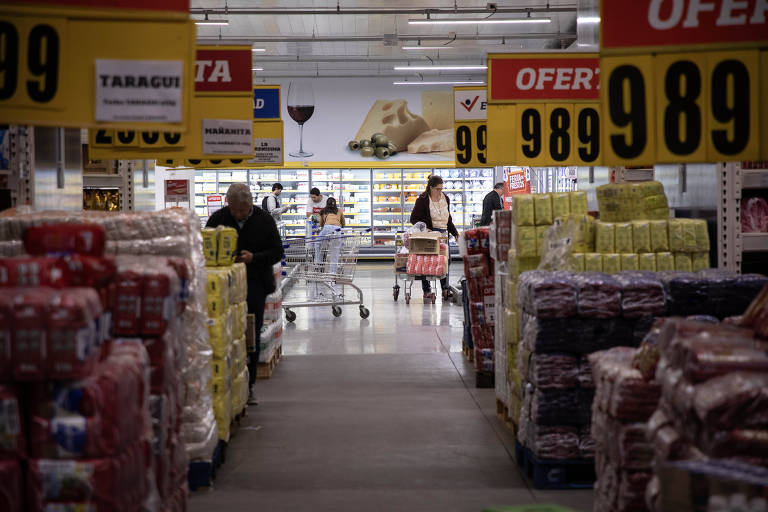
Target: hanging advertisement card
227	137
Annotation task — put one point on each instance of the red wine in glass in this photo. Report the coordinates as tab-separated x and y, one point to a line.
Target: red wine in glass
301	106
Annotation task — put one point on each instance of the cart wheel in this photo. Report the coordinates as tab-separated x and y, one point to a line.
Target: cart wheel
364	312
290	315
407	298
336	311
395	293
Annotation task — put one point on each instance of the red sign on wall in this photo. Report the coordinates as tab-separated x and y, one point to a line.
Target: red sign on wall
656	23
177	190
223	70
536	77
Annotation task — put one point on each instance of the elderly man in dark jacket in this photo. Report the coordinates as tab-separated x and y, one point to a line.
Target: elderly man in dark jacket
259	247
492	201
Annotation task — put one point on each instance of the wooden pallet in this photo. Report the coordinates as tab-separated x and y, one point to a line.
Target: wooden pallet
502	411
555	474
469	353
265	370
202	473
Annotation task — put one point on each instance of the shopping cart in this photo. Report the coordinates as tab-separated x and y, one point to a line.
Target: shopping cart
401	274
320	269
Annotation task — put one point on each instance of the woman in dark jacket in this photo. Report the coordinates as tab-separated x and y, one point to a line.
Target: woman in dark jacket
433	209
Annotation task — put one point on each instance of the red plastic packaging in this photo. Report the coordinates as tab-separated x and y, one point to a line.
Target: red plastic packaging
27	271
11	494
29	312
159	300
12	440
127	314
72	340
87	239
5	336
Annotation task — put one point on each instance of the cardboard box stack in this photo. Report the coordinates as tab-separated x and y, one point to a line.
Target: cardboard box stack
227	322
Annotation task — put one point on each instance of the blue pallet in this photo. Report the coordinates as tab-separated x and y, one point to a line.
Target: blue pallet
555	473
203	473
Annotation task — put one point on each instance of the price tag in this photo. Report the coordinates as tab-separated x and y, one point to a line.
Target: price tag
587	119
531	141
111	144
471	142
501	134
558	131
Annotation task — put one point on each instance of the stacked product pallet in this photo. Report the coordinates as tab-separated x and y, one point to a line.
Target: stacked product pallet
271	337
91	340
227	312
566	316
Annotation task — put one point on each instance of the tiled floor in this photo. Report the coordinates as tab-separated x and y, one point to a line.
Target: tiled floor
378	414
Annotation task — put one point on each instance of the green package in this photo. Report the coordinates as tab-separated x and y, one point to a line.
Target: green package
523	210
657	202
683	262
605	237
646	261
689	235
561	206
664	261
659	237
675	232
526	242
577	261
542	206
700	261
541	232
630	262
578	202
623	237
611	263
702	235
641	235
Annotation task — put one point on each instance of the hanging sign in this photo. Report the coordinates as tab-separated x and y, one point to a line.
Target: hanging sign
544	109
222	102
79	63
681	81
470	130
266	102
177	191
516	181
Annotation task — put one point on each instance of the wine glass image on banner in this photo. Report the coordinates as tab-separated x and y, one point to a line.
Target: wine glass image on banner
301	106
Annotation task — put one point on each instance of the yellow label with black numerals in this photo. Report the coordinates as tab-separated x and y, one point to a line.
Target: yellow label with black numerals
587	132
627	94
471	143
559	129
501	134
531	141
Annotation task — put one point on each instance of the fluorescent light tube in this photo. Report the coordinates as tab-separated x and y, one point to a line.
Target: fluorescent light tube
257	69
211	22
428	47
440	68
478	21
254	50
588	19
441	83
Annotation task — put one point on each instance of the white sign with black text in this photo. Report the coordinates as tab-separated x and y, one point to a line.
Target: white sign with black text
267	151
227	136
147	91
470	105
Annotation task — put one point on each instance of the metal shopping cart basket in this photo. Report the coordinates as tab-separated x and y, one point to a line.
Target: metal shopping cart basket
402	274
320	269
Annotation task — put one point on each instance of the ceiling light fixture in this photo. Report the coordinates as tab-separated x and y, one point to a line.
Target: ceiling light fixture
428	47
588	19
206	21
255	50
257	69
441	68
478	21
468	82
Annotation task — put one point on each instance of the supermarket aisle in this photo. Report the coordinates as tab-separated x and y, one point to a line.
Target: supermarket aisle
378	414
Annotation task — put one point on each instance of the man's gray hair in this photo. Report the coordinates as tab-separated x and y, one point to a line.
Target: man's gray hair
239	194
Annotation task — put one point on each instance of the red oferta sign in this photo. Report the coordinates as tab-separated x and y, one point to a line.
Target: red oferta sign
527	78
223	70
657	23
148	5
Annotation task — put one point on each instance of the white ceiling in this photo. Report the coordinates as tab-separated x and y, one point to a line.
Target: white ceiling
315	55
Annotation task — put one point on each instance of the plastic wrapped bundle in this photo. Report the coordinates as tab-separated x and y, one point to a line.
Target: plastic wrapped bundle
687	293
599	295
561	407
754	215
585	378
548	294
705	356
554	371
586	443
553	442
12	432
622	391
11	489
730	293
642	294
736	400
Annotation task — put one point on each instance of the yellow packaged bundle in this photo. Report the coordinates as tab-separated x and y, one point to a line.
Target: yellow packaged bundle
623	237
701	234
659	236
658	214
646	261
630	262
527	264
689	235
219	335
605	237
561	205
222	385
523	210
656	202
683	262
578	202
227	245
221	366
510	327
238	354
700	261
641	236
664	261
593	262
511	293
580	229
209	246
676	235
541	232
647	188
240	282
218	292
615	202
611	263
526	242
542	207
577	262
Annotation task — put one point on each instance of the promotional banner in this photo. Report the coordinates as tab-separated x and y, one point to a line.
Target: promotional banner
516	181
544	109
73	63
681	81
471	134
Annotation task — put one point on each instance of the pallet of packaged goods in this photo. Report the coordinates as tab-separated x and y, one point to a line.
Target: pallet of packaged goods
467	347
271	337
115	306
555	473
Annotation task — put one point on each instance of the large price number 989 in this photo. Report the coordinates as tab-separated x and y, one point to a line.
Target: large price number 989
557	138
32	78
465	149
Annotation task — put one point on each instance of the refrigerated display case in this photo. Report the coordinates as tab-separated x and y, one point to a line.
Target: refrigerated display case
295	196
353	187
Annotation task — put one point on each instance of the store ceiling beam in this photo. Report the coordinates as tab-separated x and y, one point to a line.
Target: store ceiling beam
263	59
411	11
229	39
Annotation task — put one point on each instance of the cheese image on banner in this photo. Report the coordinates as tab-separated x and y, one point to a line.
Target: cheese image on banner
227	136
393	119
139	90
437	109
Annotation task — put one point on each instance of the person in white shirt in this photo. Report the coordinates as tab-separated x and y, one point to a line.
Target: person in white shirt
316	204
271	203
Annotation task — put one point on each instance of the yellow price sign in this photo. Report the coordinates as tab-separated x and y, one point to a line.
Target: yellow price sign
501	134
471	142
